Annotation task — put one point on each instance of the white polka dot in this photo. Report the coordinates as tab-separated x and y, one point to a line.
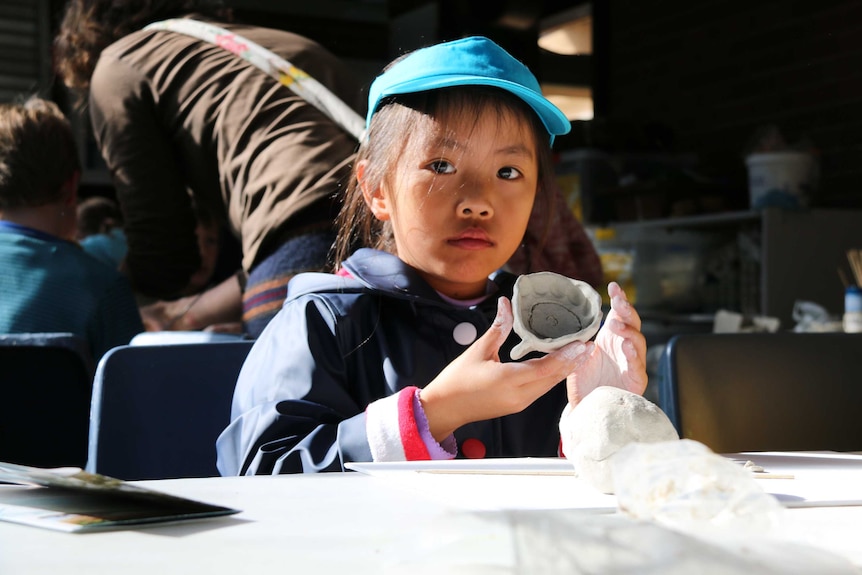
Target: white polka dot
464	333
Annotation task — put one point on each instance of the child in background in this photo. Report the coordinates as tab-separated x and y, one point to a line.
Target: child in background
100	230
189	312
404	353
48	283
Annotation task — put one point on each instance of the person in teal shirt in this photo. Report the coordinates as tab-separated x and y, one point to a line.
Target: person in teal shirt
100	230
50	284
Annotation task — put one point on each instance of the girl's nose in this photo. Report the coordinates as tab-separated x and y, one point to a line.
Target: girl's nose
475	210
475	202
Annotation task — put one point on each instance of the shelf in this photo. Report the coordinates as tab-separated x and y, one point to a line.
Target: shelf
722	219
659	316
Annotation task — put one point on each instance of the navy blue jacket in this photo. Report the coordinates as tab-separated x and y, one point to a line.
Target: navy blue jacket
340	343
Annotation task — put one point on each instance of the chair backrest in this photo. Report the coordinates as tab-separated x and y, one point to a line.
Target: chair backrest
158	410
765	391
46	380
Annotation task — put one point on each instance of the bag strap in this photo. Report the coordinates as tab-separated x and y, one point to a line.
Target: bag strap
273	65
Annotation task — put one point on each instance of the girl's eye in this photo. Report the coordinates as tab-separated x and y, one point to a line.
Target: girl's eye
441	167
508	173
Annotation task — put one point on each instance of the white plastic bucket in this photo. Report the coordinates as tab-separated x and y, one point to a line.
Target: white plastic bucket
782	179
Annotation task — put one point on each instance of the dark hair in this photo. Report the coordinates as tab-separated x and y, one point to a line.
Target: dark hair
388	137
98	215
89	26
38	153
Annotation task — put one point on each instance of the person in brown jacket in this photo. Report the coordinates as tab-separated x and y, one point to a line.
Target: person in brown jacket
182	121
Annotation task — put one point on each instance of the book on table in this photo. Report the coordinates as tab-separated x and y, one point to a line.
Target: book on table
73	500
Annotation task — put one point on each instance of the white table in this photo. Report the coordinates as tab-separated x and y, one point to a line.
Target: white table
356	523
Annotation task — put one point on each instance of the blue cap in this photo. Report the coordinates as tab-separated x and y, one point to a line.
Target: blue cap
473	61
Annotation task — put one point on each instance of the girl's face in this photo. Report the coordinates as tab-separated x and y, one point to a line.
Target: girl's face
460	198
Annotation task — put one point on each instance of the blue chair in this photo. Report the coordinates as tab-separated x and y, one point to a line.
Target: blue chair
765	391
157	409
44	414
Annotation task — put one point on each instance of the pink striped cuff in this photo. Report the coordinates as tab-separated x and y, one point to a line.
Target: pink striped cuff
395	430
447	449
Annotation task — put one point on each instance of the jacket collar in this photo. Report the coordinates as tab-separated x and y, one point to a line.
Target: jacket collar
385	272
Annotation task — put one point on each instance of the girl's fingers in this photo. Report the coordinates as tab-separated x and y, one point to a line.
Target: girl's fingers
544	372
504	321
491	340
629	350
630	335
621	308
558	364
574	350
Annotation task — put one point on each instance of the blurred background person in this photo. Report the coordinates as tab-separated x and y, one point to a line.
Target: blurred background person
172	113
100	230
49	284
183	313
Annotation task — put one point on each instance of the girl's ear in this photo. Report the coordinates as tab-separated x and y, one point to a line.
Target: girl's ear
376	197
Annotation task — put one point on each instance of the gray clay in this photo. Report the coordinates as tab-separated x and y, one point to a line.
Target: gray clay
551	310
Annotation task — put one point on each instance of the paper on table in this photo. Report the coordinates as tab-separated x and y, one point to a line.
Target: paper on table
491	466
494	484
72	500
820	479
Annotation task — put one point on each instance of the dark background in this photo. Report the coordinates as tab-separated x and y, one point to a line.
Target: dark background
682	92
668	76
699	79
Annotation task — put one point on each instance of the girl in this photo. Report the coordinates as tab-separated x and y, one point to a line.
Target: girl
381	361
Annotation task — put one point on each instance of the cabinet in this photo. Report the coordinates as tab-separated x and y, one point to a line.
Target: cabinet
754	262
802	254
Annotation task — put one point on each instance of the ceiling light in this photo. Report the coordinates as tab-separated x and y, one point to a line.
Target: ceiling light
568	33
575	102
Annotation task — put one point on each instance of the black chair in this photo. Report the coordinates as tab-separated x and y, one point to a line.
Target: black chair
157	410
765	391
44	414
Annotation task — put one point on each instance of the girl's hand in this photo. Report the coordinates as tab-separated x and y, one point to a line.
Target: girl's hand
476	386
619	356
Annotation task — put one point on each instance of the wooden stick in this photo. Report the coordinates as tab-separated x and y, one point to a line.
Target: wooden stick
497	472
843	278
765	475
855	259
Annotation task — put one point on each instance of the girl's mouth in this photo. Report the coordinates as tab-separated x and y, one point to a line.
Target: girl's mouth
472	239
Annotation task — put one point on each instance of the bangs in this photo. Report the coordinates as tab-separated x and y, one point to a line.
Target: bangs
457	106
